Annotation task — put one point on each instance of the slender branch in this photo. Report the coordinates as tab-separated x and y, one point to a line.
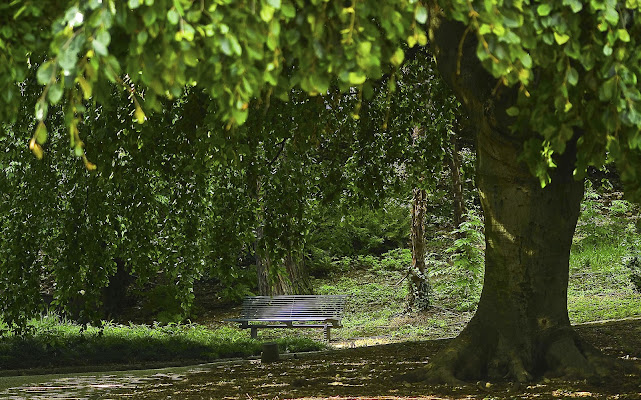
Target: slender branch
282	147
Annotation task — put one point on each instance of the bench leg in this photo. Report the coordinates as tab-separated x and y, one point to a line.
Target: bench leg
327	333
254	333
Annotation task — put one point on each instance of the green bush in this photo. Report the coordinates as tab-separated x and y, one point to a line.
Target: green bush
462	277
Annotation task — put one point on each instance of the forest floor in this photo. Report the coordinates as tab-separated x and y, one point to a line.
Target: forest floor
365	372
373	372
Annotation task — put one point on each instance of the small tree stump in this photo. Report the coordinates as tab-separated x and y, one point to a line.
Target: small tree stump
270	353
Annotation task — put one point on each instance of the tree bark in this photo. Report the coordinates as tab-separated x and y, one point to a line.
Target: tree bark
291	277
419	289
521	328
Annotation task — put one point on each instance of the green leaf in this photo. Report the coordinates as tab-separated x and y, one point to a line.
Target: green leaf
179	7
561	38
55	92
607	89
544	9
139	114
398	57
576	5
623	35
41	133
191	57
44	73
104	37
236	46
512	111
573	76
274	3
267	13
240	116
320	83
99	48
421	14
356	78
172	16
288	10
41	110
225	46
611	15
149	17
526	60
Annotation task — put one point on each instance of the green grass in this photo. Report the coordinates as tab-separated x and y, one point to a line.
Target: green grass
374	299
600	287
57	343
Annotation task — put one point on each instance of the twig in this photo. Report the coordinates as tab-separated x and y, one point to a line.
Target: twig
282	147
402	279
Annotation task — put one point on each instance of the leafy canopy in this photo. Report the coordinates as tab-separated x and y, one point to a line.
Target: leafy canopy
235	50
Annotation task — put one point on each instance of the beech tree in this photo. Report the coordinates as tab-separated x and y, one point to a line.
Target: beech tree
552	87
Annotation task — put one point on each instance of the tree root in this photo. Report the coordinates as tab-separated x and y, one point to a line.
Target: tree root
573	358
467	359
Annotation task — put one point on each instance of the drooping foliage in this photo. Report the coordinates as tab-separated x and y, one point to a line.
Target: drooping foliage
181	195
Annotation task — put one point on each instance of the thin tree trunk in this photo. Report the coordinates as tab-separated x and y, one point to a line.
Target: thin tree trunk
419	290
297	273
457	187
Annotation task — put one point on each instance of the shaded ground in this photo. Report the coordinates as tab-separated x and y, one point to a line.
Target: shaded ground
357	373
372	372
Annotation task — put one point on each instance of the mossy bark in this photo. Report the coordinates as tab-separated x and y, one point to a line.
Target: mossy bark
521	328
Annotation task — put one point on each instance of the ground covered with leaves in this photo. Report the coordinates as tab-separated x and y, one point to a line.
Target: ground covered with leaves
374	373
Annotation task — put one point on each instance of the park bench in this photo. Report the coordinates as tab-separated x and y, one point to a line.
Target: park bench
294	311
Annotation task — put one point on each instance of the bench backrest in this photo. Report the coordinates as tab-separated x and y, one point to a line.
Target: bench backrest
294	308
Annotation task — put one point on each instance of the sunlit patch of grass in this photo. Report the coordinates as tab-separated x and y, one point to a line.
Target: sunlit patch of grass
595	307
600	287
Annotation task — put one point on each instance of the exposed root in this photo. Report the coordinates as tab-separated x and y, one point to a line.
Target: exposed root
572	358
518	372
442	370
466	359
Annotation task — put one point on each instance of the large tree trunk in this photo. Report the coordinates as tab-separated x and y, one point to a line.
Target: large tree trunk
521	328
419	290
